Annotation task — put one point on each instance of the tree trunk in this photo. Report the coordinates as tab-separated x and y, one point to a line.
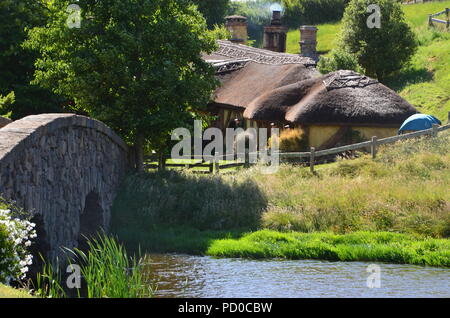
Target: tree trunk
139	153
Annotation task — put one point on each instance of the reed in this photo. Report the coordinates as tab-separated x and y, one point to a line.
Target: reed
106	269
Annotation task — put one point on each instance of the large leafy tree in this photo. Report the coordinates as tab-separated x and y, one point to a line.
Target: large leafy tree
17	63
214	11
380	51
134	64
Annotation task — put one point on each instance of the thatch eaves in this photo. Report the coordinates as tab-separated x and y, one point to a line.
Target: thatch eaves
342	97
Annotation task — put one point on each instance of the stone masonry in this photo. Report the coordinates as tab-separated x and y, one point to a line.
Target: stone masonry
62	168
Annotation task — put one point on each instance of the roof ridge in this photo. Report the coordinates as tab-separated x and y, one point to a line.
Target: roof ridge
261	56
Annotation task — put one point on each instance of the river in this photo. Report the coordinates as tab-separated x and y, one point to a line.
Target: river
199	277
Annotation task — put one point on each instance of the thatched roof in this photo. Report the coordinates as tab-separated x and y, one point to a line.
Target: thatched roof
272	86
246	73
342	97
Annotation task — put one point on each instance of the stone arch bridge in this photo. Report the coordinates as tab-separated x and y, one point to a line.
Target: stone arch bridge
65	169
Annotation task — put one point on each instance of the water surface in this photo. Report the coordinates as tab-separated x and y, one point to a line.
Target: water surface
194	276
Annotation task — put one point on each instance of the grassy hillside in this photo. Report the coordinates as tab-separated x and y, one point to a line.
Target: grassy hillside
426	82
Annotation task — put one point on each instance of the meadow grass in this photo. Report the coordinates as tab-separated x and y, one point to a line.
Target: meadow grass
405	190
9	292
358	246
425	83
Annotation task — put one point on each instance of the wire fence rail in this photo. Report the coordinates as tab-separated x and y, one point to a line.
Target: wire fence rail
213	164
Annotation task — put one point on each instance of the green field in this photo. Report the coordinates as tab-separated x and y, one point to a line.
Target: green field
426	82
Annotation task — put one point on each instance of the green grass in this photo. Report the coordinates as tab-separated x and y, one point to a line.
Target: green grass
358	246
326	37
9	292
426	82
107	271
163	238
404	191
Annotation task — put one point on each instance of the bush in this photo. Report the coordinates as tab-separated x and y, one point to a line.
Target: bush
338	60
380	51
15	238
292	140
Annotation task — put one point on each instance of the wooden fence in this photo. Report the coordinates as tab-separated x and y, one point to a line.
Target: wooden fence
432	18
311	157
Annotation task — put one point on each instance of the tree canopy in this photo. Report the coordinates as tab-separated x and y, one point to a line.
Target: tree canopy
214	11
133	64
17	63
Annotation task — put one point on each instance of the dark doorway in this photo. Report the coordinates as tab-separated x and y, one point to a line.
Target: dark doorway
91	220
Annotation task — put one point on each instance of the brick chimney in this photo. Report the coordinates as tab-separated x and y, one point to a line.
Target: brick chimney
237	25
308	41
275	34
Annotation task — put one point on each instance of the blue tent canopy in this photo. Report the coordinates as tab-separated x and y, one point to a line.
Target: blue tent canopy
419	122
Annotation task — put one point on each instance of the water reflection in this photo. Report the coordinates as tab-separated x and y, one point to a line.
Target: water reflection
192	276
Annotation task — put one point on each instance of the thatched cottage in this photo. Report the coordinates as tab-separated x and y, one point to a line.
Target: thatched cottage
264	88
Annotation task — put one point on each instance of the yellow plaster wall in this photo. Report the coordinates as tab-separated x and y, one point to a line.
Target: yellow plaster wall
318	135
368	132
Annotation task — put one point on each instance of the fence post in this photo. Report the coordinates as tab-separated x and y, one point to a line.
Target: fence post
448	118
447	11
247	159
430	22
435	129
373	147
312	159
216	163
161	162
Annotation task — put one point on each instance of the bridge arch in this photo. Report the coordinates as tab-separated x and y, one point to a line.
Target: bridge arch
65	169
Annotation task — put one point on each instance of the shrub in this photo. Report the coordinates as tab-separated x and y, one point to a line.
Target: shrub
380	51
338	60
15	238
292	140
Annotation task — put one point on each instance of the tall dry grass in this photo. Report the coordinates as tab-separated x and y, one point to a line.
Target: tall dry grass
406	189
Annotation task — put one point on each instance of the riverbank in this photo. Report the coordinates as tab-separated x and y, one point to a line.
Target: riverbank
404	192
385	247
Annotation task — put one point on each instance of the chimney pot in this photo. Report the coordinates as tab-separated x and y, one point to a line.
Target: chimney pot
308	41
275	34
237	25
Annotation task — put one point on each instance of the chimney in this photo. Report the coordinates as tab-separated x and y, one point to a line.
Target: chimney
237	25
308	41
275	34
